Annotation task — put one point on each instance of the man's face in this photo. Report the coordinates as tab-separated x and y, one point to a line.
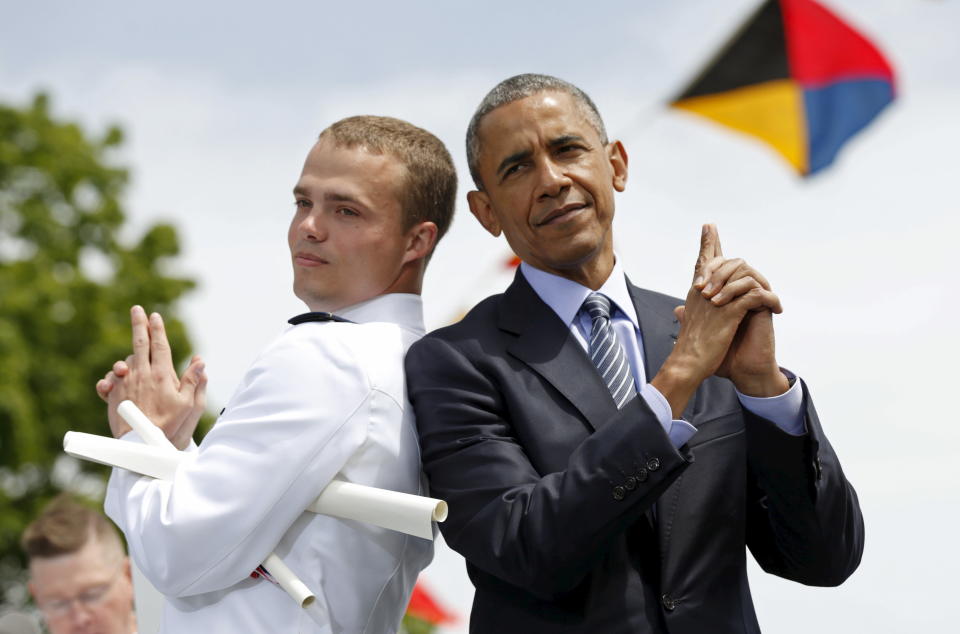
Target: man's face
548	183
346	238
86	592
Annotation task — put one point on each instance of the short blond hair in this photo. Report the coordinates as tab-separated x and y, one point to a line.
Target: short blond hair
65	526
429	190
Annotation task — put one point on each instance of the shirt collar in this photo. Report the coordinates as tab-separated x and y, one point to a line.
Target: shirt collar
403	309
566	297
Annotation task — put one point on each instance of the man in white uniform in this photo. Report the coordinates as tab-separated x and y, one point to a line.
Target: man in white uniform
326	399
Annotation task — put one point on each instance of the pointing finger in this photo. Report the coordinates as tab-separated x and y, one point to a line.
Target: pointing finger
709	249
160	356
141	339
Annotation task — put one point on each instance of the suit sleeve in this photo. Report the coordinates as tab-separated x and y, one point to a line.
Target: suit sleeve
299	414
804	521
538	531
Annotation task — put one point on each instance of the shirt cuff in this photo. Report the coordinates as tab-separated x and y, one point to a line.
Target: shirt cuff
785	411
679	431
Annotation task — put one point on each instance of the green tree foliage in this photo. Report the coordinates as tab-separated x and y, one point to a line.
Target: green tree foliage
67	281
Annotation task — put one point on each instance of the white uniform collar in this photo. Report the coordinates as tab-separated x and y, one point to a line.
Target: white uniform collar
403	309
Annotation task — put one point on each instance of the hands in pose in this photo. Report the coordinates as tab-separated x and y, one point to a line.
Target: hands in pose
726	328
147	377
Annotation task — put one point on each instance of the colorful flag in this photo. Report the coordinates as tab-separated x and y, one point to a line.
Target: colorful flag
797	77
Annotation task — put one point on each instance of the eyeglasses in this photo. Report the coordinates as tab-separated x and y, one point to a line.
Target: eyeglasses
89	598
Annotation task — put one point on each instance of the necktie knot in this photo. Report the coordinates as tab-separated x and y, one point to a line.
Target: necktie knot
597	306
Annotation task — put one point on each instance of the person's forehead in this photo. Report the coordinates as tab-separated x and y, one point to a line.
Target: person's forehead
91	564
537	118
353	169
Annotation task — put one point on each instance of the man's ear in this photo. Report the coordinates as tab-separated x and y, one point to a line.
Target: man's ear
618	160
482	210
421	238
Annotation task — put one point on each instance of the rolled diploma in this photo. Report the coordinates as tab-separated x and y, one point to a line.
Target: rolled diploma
275	567
138	421
143	459
403	512
287	580
161	463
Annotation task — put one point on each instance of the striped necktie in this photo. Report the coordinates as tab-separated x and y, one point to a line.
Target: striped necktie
607	353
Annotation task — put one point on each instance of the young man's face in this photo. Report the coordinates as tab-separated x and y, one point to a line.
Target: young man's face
346	238
548	182
86	592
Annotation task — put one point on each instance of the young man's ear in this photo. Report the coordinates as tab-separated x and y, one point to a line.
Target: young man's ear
617	155
481	209
421	238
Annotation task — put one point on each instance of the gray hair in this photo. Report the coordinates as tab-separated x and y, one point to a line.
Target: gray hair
520	87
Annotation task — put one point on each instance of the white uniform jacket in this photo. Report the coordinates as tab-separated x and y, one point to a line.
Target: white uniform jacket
325	399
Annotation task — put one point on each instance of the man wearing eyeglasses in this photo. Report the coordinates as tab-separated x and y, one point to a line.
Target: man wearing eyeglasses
79	573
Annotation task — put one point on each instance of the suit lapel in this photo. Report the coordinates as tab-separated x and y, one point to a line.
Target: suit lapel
545	344
659	331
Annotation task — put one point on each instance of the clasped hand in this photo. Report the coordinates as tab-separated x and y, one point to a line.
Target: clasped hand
727	323
147	377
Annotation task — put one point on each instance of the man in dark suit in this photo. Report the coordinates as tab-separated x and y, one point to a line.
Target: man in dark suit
607	455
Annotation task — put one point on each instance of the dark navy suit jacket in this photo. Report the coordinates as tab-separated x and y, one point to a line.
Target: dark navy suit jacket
552	489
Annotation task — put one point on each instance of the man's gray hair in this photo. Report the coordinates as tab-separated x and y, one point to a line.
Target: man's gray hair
520	87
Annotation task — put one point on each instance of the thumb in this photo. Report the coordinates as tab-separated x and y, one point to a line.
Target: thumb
192	377
200	394
678	313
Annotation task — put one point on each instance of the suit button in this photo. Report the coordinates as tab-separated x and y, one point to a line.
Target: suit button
630	483
669	603
618	493
642	475
818	468
653	464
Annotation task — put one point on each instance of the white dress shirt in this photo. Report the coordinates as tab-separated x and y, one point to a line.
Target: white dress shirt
566	298
324	400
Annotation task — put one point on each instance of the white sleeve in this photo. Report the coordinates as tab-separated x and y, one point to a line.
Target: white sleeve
299	414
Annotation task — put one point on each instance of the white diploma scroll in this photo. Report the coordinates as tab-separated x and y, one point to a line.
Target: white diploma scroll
286	579
143	459
403	512
159	459
138	421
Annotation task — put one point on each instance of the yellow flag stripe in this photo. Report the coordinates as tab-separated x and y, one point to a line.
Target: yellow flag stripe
771	111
